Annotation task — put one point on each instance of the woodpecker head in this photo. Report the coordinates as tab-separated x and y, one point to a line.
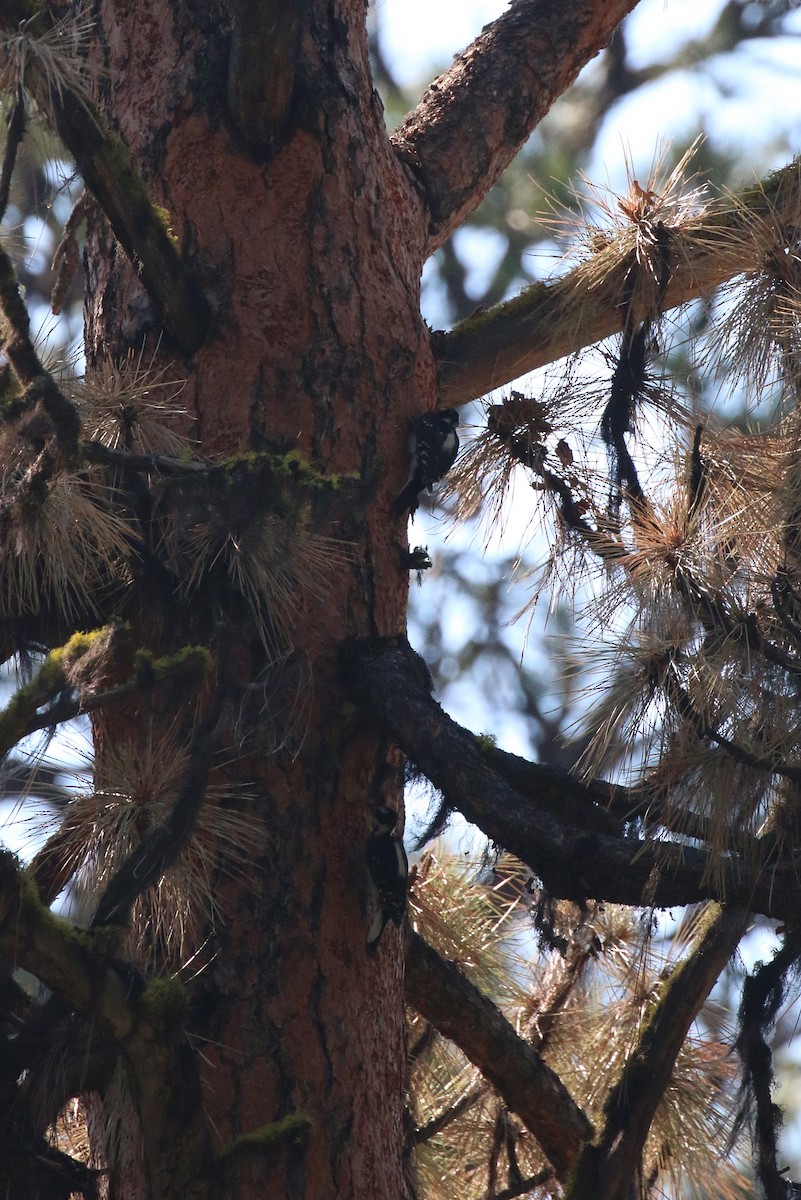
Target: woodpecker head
385	820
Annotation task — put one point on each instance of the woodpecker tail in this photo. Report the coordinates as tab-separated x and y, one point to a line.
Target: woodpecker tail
378	924
406	501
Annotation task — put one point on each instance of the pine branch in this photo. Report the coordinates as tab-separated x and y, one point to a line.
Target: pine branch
23	714
65	685
146	1020
148	464
472	121
707	730
586	809
140	226
763	994
15	132
392	685
450	1113
606	1169
38	383
107	167
60	956
543	1013
548	321
444	996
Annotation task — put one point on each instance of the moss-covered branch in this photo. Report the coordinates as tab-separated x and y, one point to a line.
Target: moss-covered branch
290	1133
146	1022
75	667
141	227
551	320
38	384
70	963
65	685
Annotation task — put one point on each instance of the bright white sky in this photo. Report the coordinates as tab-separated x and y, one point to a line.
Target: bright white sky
423	35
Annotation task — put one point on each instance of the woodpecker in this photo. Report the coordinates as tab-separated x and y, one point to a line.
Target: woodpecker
389	870
433	445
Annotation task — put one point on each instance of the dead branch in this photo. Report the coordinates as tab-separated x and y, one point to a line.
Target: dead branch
445	997
606	1169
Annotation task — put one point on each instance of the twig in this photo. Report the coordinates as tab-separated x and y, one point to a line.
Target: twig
149	464
706	731
445	1117
161	846
37	382
141	228
762	997
525	1186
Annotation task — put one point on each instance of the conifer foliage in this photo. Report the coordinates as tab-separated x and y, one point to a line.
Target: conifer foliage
198	553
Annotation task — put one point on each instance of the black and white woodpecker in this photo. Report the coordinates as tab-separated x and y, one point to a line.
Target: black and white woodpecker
389	872
433	445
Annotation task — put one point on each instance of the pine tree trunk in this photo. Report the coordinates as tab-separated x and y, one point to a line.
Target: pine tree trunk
310	256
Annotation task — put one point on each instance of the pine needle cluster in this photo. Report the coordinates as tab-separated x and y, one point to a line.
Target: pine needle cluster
602	230
270	558
48	58
63	548
135	787
133	405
